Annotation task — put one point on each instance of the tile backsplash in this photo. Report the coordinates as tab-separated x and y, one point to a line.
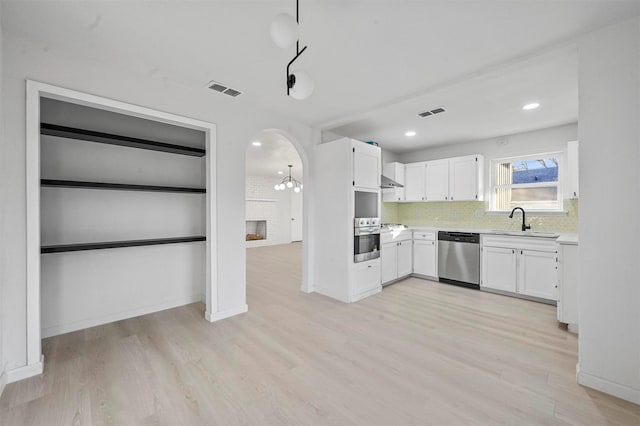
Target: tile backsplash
472	214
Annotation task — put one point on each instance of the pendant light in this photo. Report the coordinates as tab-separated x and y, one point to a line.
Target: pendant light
284	31
289	182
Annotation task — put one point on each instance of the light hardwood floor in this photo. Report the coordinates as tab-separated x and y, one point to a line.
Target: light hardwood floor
418	353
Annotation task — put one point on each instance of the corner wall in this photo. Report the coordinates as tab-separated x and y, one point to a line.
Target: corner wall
236	122
3	376
609	259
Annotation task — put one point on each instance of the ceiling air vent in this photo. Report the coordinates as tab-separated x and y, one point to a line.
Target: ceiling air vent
431	112
221	88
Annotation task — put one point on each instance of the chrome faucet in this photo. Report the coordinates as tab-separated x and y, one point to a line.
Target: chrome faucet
524	225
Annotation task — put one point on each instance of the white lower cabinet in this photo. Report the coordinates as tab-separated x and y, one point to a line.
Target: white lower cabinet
568	285
389	262
367	278
405	264
395	256
538	275
499	268
525	266
425	254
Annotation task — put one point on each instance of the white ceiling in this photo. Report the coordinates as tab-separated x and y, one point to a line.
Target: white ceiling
480	107
275	154
376	64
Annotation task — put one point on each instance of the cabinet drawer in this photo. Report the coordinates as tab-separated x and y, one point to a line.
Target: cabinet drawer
424	235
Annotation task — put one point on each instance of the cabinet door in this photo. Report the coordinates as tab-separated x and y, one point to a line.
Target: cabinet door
414	184
389	262
437	180
367	277
366	168
538	275
499	268
463	178
405	258
424	258
568	284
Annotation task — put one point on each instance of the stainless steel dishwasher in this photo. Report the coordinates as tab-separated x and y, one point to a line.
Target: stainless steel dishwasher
459	258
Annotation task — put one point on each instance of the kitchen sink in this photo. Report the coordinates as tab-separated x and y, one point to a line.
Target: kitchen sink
526	233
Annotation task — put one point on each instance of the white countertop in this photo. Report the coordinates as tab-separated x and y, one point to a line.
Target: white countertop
562	238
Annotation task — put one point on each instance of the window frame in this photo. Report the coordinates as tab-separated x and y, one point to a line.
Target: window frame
560	155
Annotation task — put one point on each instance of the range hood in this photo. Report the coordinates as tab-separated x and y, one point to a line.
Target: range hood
385	183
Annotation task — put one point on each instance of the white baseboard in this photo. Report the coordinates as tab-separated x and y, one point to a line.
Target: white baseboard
92	322
25	372
217	316
616	389
3	382
366	294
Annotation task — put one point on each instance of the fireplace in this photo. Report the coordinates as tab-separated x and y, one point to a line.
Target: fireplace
256	230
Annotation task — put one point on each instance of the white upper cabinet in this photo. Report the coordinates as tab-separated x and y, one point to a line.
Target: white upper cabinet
366	166
465	178
414	183
394	171
572	190
451	179
437	181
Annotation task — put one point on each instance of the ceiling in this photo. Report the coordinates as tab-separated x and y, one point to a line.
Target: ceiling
480	107
274	154
376	64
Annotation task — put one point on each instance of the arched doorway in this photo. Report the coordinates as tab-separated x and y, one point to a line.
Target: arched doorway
275	216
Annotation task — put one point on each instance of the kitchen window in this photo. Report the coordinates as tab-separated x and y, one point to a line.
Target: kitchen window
531	182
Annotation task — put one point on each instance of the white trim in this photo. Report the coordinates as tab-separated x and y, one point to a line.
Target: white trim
55	330
34	345
616	389
3	382
262	200
217	316
25	372
36	90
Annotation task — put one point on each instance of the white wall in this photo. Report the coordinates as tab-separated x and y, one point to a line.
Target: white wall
236	124
2	216
551	139
609	259
265	203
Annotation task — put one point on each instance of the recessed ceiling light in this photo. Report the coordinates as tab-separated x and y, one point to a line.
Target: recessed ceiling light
256	143
410	133
280	172
532	105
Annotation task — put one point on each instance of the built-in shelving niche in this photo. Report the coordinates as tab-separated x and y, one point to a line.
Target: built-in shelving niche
96	281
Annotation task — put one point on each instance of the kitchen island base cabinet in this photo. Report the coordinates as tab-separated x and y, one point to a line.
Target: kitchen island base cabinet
524	267
425	254
367	280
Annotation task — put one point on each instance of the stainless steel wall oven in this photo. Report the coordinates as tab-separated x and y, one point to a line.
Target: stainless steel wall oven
366	239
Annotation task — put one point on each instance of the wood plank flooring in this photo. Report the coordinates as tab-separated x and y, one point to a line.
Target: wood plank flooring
419	353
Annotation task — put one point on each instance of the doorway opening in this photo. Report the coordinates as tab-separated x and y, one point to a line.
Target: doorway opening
274	194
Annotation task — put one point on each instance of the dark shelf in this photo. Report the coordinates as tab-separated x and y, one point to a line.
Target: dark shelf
118	186
108	138
118	244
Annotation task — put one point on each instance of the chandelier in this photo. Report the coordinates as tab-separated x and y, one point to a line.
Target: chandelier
289	182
